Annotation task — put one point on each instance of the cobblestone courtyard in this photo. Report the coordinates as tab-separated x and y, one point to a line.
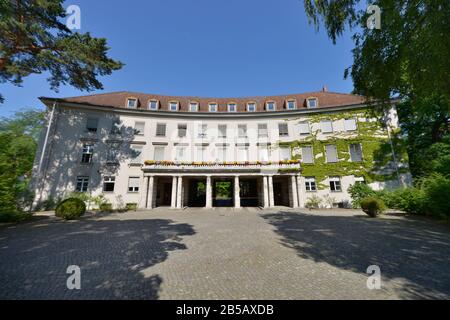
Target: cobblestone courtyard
226	254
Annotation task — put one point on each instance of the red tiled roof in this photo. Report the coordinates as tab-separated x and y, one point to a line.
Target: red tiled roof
118	100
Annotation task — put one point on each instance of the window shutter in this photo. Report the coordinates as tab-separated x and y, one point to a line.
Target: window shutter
304	127
331	153
350	124
327	126
307	155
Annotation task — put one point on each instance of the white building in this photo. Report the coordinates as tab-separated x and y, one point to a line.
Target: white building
154	150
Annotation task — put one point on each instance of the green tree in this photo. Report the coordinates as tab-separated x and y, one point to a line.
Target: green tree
408	58
18	143
34	39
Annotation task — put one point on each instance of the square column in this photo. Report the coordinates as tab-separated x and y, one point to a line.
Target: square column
294	192
208	192
151	181
173	199
179	192
237	196
265	192
271	198
144	195
301	200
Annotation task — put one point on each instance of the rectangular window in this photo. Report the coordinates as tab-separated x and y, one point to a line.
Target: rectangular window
251	107
331	153
132	103
88	151
108	184
201	154
312	103
310	184
193	106
222	130
222	154
92	124
111	156
307	154
327	126
303	127
180	153
173	106
139	128
285	153
153	105
355	152
116	126
202	129
359	180
160	129
133	184
262	130
242	130
159	153
82	184
263	153
350	124
242	153
291	104
213	107
335	184
283	129
136	154
182	130
232	107
270	106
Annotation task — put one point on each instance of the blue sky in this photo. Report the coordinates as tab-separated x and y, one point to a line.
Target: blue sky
211	48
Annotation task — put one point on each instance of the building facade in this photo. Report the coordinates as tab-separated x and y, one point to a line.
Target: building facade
154	151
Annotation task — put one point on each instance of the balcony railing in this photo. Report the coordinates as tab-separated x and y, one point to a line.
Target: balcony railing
285	165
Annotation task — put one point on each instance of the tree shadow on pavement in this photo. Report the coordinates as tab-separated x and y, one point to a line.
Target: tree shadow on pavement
411	249
111	254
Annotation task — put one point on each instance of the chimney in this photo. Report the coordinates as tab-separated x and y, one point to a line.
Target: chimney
324	88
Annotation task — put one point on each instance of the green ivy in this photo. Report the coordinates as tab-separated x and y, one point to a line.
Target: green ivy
371	134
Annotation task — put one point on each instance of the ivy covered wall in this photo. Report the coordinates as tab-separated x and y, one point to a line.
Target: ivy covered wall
377	159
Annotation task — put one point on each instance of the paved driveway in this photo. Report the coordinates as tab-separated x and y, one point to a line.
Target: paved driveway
226	254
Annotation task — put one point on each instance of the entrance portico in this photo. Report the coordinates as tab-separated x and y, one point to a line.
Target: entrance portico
180	186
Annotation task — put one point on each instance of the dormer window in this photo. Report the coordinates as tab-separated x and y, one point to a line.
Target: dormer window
193	106
291	105
213	107
153	105
173	106
132	103
270	106
251	107
312	102
232	107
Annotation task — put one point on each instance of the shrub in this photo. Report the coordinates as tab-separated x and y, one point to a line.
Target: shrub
131	206
358	192
436	192
411	200
372	206
105	207
313	202
71	208
389	197
14	216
